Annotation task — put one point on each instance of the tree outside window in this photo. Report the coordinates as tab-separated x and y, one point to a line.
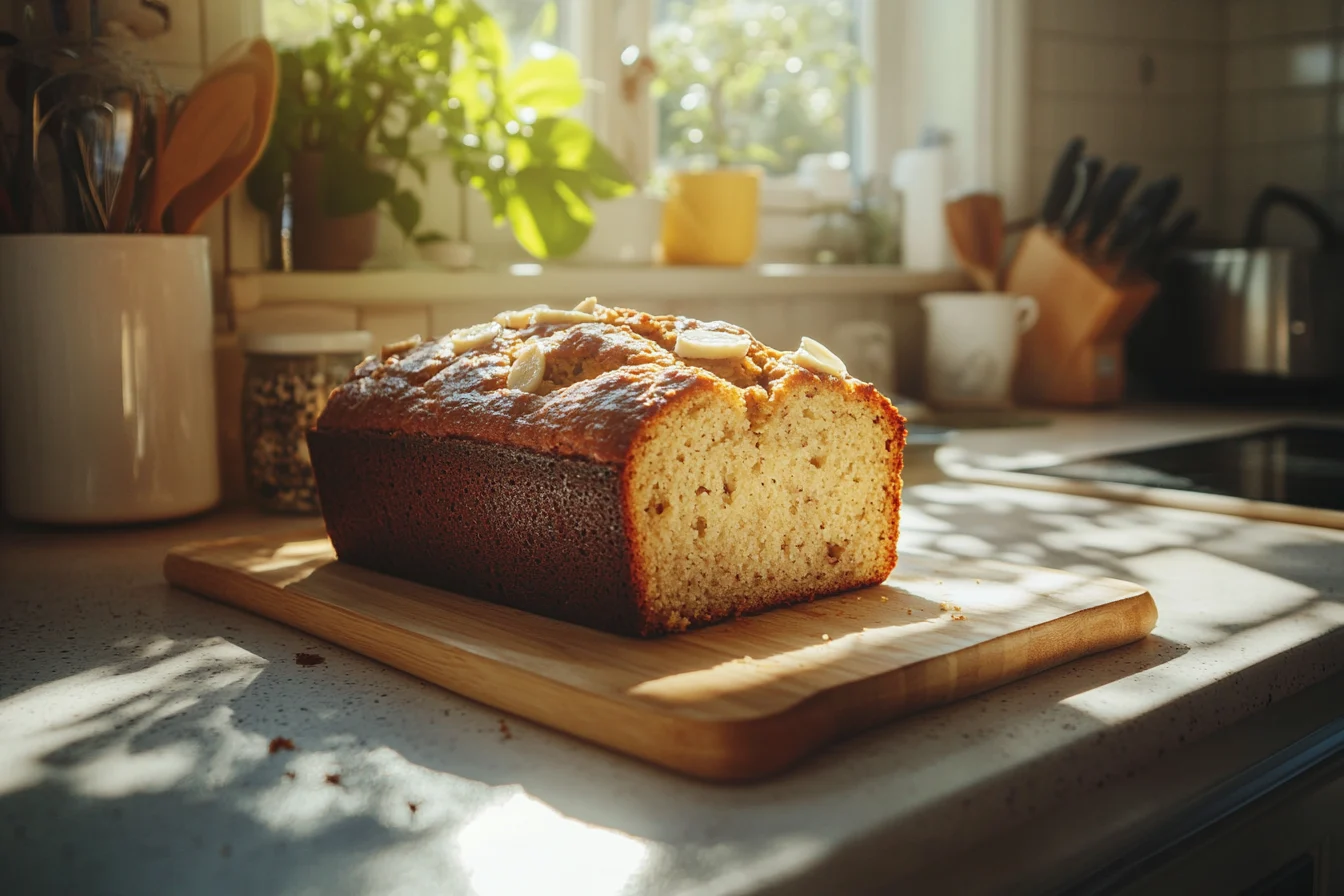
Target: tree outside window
754	81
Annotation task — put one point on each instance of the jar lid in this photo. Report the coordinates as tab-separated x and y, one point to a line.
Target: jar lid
354	342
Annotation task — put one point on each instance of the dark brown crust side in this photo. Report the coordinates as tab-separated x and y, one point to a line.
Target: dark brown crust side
530	530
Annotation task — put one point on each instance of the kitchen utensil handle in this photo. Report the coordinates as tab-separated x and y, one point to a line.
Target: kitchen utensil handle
1275	195
1028	312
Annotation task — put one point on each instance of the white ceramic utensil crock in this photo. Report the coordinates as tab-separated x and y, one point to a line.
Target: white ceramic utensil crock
107	403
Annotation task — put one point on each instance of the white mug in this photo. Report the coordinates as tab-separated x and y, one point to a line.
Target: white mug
971	350
107	400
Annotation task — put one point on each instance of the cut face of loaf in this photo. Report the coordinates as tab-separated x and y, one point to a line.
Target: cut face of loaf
734	511
622	471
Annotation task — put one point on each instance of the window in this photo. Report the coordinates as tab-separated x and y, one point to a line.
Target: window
529	24
762	81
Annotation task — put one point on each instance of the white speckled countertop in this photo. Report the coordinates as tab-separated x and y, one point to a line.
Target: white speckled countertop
136	726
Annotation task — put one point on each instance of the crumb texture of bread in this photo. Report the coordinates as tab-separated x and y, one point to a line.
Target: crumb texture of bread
735	484
737	507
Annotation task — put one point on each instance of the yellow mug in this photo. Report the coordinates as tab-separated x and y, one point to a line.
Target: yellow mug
710	216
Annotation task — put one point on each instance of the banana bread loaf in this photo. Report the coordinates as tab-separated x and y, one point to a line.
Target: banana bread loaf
631	473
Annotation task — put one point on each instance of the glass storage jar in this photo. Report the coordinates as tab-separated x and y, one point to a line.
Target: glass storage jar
287	379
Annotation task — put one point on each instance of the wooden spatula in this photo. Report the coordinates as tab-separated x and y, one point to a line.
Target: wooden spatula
194	201
975	226
217	112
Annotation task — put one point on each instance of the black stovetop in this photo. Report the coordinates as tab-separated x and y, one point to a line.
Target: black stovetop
1298	464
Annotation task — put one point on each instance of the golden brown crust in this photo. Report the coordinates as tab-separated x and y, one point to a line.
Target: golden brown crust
604	381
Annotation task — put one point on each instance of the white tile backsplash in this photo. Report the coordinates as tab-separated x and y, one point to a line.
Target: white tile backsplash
1199	20
1095	18
1299	167
1297	117
1051	61
1243	19
1145	20
1301	16
1243	93
1239	120
181	44
1310	63
1241	68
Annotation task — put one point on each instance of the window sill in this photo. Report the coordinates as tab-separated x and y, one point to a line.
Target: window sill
534	283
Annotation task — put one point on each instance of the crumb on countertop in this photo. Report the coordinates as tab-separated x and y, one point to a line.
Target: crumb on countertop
504	730
334	778
280	743
309	659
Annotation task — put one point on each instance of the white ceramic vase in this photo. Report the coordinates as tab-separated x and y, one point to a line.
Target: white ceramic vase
107	400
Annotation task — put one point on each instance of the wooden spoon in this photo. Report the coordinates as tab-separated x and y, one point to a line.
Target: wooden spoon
216	112
975	225
195	201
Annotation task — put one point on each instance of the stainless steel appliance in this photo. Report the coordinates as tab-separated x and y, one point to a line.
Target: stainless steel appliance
1247	321
1271	312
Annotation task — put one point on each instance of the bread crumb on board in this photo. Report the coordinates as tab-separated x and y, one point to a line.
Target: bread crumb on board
957	617
825	637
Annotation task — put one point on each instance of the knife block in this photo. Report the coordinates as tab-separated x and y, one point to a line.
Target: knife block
1074	356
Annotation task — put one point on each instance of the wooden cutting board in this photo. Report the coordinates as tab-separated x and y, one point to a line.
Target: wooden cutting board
736	701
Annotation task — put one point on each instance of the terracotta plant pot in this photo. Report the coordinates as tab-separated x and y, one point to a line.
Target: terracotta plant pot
710	216
322	243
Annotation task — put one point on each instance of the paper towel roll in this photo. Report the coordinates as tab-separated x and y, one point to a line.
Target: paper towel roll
920	175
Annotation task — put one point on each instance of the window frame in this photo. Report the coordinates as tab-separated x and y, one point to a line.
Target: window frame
617	24
596	31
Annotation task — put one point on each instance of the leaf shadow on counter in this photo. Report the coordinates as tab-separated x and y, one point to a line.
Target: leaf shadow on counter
170	774
142	786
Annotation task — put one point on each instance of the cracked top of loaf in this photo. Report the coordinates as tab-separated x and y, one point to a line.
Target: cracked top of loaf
604	379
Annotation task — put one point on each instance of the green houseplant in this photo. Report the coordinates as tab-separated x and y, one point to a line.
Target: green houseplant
735	93
350	104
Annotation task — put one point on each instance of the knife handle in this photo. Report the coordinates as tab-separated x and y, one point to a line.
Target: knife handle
1110	196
